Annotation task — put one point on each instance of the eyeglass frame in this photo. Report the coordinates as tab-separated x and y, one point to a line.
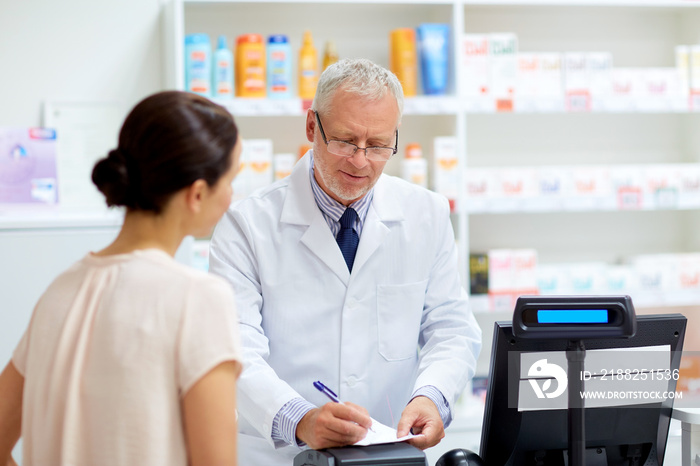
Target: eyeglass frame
326	141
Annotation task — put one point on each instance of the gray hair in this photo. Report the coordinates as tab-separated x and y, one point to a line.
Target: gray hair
357	76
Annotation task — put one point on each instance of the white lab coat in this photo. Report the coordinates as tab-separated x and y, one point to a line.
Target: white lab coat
304	317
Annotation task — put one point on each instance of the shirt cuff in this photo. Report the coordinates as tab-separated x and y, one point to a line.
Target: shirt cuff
431	392
284	426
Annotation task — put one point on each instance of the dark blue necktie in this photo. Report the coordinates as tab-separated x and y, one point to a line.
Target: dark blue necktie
347	237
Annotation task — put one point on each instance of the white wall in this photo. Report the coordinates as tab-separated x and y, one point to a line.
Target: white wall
65	51
76	51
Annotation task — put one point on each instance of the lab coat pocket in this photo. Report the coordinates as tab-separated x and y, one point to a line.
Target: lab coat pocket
399	312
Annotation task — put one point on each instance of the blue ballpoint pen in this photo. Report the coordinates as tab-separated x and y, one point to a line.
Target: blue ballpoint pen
321	387
326	391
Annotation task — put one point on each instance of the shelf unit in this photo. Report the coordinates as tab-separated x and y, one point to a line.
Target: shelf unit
638	33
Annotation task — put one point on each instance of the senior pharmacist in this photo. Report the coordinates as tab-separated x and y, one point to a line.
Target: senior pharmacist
346	276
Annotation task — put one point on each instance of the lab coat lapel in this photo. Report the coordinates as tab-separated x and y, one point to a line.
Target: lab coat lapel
385	207
300	209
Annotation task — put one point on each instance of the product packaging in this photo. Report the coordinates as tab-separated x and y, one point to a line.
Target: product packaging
28	172
308	68
259	158
576	82
551	87
480	189
403	59
223	70
446	168
279	67
330	54
255	167
434	48
414	168
689	185
284	164
662	184
599	67
504	51
476	68
478	273
695	77
501	279
683	68
250	66
198	64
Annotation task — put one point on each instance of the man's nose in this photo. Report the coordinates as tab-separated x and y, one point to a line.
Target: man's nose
359	158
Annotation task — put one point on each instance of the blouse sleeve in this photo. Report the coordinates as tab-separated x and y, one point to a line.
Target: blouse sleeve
19	357
208	331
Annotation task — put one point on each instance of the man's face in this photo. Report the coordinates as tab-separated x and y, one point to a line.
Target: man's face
359	121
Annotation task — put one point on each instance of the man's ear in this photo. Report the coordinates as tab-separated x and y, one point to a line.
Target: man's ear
310	124
195	194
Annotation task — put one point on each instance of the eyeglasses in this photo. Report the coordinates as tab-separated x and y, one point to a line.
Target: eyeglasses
348	149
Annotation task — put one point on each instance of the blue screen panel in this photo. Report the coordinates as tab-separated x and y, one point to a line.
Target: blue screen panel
573	316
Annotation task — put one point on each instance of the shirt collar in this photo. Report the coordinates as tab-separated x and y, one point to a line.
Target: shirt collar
330	206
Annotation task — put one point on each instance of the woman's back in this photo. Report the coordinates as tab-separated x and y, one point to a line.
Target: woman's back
113	345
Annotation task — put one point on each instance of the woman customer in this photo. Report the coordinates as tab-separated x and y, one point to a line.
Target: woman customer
130	357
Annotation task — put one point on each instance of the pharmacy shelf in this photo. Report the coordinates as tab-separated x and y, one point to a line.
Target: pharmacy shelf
262	107
450	105
593	3
302	2
480	304
15	220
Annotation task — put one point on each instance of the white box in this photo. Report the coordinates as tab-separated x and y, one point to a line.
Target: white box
662	186
589	188
599	66
446	176
683	68
481	185
476	67
256	167
284	164
628	186
576	82
689	185
525	271
503	48
528	75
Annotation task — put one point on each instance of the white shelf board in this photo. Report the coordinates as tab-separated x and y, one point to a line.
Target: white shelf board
374	2
12	219
625	3
450	105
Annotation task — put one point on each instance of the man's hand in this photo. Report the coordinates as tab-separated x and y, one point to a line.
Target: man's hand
422	417
334	425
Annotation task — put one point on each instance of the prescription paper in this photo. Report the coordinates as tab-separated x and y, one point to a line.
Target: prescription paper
379	433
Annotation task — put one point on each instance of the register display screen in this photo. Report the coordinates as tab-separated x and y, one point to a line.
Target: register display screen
573	316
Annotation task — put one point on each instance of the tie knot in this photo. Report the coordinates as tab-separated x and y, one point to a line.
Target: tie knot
348	218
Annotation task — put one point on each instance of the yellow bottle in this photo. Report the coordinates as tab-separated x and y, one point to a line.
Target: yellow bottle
330	55
250	66
308	68
403	59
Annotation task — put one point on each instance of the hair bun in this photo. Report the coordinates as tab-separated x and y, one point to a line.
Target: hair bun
111	176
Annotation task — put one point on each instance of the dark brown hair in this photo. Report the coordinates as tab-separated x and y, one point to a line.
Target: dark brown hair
167	142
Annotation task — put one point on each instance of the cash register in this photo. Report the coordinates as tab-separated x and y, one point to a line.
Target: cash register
387	454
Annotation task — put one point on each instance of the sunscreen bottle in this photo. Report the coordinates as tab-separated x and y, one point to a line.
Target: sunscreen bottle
308	68
330	55
223	70
434	51
198	64
279	67
250	66
403	60
414	168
